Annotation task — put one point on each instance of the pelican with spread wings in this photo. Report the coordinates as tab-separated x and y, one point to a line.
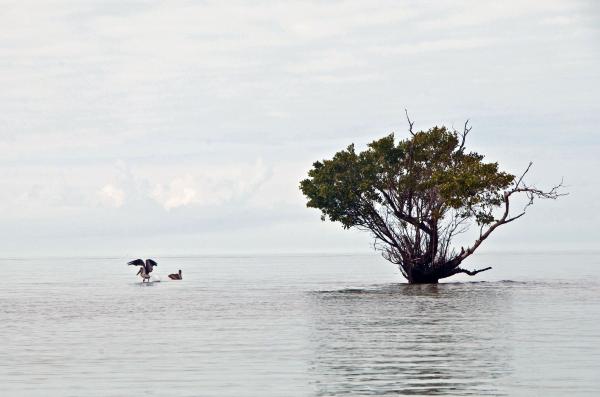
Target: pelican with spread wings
145	268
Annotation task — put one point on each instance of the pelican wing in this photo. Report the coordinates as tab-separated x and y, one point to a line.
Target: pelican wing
150	265
137	262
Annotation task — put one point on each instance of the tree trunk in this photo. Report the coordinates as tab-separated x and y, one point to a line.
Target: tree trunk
418	276
423	280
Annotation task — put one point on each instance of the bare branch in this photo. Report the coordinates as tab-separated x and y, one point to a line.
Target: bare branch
466	130
515	217
531	193
523	175
410	123
469	272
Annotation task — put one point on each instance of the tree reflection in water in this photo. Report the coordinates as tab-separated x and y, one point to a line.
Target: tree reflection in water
444	339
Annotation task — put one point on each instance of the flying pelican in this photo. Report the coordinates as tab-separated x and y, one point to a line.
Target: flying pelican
145	268
175	276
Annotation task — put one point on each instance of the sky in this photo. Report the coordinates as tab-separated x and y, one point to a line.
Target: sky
184	128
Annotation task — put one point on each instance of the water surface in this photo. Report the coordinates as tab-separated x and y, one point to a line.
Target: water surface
299	326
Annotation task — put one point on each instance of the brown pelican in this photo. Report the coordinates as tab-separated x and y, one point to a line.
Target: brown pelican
145	268
175	276
142	272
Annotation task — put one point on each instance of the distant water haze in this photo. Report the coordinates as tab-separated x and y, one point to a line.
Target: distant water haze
299	325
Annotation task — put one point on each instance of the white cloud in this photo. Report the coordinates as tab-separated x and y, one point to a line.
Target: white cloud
179	192
112	196
211	186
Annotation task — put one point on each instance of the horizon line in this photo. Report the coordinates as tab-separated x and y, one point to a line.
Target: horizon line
587	251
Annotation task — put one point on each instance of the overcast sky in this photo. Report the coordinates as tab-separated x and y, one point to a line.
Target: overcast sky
138	128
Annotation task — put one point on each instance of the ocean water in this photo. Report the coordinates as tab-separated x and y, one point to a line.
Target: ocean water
299	326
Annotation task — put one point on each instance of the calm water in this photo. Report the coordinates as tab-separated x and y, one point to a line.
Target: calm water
299	326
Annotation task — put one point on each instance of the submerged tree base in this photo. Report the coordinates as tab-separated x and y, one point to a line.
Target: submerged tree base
415	276
423	281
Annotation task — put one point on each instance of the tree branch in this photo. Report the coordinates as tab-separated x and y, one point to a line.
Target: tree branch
410	123
404	217
531	192
469	272
466	130
514	217
523	175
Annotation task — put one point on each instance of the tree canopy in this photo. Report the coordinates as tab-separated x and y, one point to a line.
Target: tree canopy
415	195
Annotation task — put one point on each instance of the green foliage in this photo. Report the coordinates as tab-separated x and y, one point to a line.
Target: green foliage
420	178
